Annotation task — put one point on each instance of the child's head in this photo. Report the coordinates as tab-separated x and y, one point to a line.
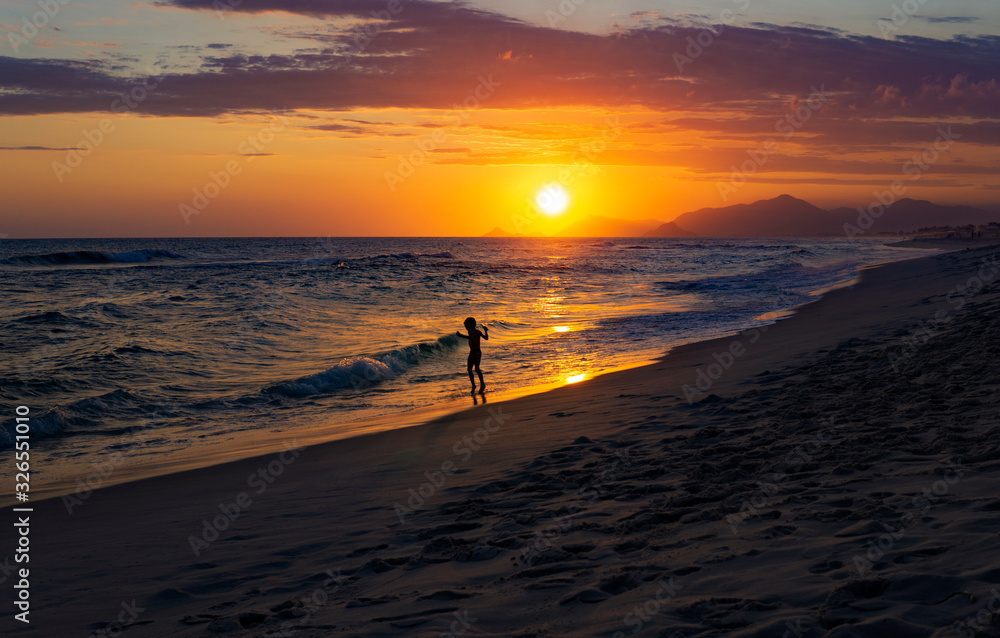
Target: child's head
470	323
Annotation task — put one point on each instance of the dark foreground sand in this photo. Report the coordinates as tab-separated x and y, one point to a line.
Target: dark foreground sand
838	477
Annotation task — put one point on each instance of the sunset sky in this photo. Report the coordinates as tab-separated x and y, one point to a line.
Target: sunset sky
405	117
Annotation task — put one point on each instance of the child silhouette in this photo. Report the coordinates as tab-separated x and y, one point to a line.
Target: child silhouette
475	352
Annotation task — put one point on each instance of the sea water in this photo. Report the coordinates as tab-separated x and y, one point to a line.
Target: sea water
128	352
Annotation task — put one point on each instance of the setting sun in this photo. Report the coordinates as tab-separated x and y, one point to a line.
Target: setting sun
552	200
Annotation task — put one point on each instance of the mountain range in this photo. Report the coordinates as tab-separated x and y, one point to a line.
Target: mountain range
784	216
500	232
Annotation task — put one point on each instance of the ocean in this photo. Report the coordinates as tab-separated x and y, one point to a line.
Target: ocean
142	356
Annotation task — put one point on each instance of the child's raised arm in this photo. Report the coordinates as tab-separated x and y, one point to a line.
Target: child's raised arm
485	333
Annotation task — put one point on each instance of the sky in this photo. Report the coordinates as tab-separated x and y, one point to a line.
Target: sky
180	118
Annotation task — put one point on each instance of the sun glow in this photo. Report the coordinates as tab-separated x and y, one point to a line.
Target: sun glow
552	200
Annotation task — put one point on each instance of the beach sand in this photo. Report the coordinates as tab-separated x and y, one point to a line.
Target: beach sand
835	474
946	243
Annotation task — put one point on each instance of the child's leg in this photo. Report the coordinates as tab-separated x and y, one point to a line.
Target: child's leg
482	384
472	379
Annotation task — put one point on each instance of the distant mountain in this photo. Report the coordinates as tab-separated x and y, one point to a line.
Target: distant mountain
670	229
597	226
910	214
500	232
783	216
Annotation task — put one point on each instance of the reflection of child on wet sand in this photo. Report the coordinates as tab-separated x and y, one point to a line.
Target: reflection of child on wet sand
475	353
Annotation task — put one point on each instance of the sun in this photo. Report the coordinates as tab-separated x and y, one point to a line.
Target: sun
552	199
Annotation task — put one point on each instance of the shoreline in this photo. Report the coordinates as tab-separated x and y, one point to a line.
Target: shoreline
558	513
258	444
944	243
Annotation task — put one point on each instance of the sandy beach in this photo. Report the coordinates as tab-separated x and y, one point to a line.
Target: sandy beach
833	474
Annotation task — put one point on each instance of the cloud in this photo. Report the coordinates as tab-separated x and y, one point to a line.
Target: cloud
37	148
362	128
826	132
645	15
886	96
948	19
708	161
105	45
431	56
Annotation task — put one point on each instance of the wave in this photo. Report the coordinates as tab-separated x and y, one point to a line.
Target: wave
364	371
787	274
444	254
94	257
89	413
337	262
49	317
727	244
50	423
83	257
687	285
794	268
